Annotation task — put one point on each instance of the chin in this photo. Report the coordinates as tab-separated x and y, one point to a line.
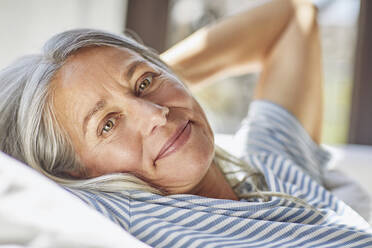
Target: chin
184	169
182	174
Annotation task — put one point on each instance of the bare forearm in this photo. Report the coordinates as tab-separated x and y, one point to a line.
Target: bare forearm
292	73
234	45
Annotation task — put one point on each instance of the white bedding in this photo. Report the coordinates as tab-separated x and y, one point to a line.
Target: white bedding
35	212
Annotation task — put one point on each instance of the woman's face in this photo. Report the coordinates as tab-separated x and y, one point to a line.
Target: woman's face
125	114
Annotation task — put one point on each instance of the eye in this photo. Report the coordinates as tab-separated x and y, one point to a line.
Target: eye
109	125
144	84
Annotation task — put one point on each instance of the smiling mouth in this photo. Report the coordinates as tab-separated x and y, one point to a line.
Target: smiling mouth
176	141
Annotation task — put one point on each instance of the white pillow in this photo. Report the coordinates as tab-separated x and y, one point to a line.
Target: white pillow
36	212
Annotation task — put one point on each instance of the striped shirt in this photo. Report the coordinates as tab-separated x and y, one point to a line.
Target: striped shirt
274	142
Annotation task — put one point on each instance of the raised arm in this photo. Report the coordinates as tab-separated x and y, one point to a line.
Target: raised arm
236	44
292	72
278	38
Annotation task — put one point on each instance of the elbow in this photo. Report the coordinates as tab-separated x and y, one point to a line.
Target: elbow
305	14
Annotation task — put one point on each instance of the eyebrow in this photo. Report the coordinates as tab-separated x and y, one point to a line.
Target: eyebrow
132	68
97	107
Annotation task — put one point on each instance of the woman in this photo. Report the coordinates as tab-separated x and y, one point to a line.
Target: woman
105	117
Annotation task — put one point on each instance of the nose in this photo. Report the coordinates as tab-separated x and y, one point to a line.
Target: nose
148	116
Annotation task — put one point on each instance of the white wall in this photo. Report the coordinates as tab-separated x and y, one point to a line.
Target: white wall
26	24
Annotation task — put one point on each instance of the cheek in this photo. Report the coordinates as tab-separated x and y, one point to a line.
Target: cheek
120	155
172	93
183	98
203	118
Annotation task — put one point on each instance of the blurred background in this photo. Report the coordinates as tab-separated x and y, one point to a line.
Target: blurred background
26	24
338	20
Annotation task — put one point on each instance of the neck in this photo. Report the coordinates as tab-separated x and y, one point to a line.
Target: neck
215	185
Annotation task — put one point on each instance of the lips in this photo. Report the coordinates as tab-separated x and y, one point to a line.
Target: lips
178	139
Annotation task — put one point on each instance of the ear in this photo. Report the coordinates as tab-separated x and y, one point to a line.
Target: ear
76	174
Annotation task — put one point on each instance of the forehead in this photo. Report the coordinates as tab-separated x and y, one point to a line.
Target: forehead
94	70
95	60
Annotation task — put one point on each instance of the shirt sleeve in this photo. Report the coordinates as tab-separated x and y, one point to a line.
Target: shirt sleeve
271	129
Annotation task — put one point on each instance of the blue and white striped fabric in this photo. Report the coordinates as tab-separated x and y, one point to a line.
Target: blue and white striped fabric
273	141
